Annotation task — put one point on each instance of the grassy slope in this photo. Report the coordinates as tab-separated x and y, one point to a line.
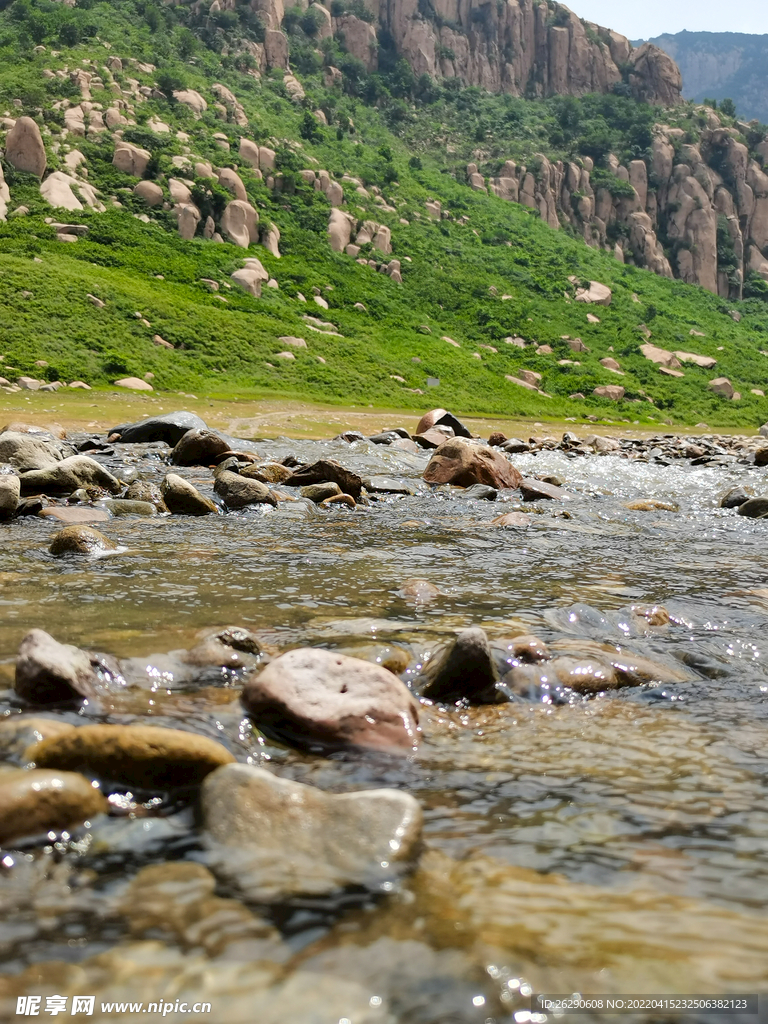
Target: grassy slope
223	348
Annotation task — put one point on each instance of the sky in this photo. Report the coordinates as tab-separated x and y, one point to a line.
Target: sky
643	19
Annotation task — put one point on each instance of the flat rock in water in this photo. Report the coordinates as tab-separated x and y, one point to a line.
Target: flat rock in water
464	670
328	471
73	514
320	492
69	475
430	439
481	492
145	490
200	447
40	800
320	700
280	837
239	492
146	756
388	485
80	540
183	498
442	418
754	508
538	490
126	507
48	672
268	473
512	519
464	463
26	452
170	427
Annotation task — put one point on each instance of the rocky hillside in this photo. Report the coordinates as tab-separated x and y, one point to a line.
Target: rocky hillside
212	200
717	65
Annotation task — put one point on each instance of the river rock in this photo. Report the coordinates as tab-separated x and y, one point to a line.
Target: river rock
280	837
755	508
481	492
238	492
69	475
146	491
126	507
72	515
735	497
328	471
45	801
134	755
183	498
48	672
512	519
199	447
464	463
170	427
581	675
27	452
536	490
21	731
462	670
80	540
10	490
267	472
441	418
323	701
319	492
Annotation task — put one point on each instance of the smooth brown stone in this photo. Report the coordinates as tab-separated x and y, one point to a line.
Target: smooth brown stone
75	514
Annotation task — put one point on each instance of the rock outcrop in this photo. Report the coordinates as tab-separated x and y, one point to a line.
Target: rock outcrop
24	148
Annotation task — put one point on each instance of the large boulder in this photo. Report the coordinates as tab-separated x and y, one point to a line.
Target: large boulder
192	99
131	159
596	294
238	491
464	462
249	152
328	470
251	277
56	190
41	801
10	489
270	239
24	148
340	227
170	427
232	182
654	77
151	193
25	451
323	701
278	837
611	391
48	672
69	475
183	498
135	755
187	218
200	447
721	386
239	223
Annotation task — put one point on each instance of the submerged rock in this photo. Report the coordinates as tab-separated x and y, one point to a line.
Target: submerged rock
170	427
125	507
320	492
734	497
183	498
268	473
238	492
512	520
328	471
464	463
10	490
280	837
146	756
80	540
21	731
320	700
48	672
69	475
537	490
464	670
45	801
74	515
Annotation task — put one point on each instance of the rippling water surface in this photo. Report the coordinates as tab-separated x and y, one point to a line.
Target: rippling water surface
614	844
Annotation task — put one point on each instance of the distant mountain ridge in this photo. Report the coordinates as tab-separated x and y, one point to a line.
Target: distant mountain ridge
719	64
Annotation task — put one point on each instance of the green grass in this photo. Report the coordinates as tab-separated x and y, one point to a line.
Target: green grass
223	348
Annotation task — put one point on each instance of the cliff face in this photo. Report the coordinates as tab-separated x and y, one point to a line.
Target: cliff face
521	48
707	202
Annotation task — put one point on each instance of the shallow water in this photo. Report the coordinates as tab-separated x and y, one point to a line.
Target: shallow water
611	844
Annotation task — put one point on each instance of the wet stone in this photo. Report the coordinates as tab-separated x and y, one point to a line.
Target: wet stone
48	672
464	463
388	485
537	490
170	428
279	837
319	492
67	476
124	507
200	447
21	731
323	701
480	492
238	492
73	514
146	756
39	801
328	471
80	540
464	670
183	498
10	490
146	491
754	508
734	497
268	473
